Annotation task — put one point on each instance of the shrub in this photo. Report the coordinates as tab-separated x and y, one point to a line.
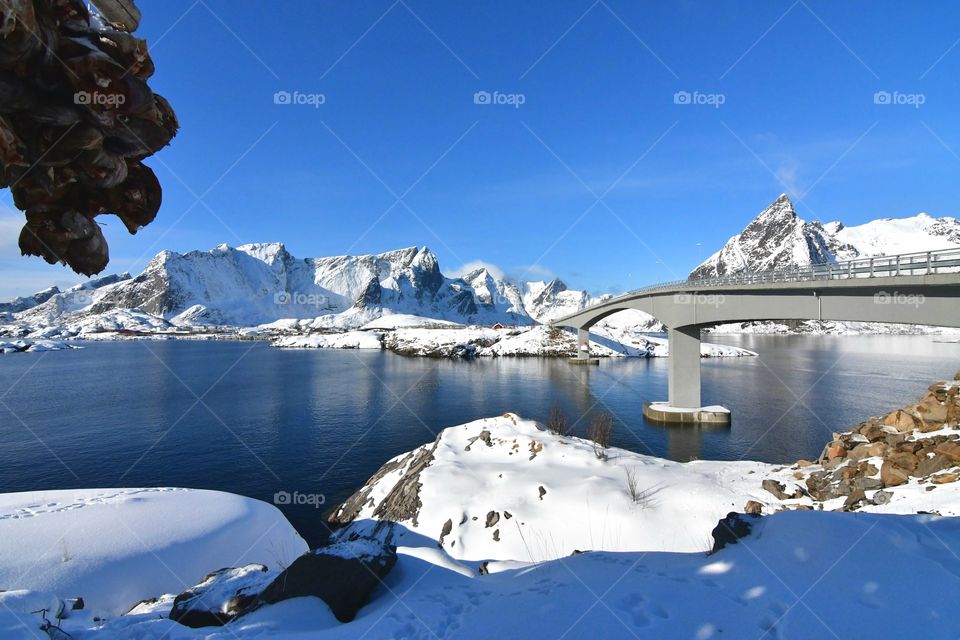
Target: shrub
599	431
557	422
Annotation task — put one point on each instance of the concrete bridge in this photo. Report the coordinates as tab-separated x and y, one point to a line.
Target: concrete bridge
916	288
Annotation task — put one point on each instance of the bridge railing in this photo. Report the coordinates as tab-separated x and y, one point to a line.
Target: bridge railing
906	264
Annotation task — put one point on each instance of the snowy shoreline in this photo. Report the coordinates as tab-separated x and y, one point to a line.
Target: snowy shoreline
465	342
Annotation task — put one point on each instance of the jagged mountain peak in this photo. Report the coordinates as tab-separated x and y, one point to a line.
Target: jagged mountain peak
779	239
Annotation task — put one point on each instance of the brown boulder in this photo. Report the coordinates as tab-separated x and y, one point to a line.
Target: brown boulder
753	507
933	464
927	427
957	376
903	460
776	488
938	388
835	449
894	440
944	478
833	464
901	421
862	451
949	449
873	432
911	446
853	500
891	475
848	472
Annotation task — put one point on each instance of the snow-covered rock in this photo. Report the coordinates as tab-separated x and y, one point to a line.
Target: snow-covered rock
506	489
114	547
346	340
34	346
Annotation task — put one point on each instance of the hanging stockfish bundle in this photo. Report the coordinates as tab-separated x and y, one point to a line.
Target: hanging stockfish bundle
77	120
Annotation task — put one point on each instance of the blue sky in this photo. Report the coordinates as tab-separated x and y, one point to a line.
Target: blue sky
598	177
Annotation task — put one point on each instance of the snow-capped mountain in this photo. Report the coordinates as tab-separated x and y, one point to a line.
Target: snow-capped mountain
779	239
257	284
263	283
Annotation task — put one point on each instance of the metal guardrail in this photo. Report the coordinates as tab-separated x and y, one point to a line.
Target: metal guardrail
919	263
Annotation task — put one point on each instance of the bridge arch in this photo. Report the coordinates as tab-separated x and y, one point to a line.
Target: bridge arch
889	291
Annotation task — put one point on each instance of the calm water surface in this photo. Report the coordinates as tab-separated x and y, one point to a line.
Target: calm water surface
313	421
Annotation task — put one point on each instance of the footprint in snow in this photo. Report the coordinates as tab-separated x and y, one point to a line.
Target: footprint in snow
632	605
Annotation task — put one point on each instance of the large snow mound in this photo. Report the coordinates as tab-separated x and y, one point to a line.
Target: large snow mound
531	495
114	547
798	575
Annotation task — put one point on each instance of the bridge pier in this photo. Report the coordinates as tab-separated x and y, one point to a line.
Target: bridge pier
683	403
684	367
583	349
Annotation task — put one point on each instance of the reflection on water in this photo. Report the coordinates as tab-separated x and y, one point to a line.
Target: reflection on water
323	421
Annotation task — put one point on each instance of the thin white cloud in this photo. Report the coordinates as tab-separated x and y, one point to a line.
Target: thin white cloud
533	272
473	265
788	173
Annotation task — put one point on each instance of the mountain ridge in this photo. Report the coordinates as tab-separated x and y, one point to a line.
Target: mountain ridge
264	284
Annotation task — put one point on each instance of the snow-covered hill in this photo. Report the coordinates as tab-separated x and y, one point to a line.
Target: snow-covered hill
779	239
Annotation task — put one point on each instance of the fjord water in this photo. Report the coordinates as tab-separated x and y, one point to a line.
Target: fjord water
250	419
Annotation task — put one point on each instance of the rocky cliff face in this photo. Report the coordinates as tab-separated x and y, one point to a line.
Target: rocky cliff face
779	239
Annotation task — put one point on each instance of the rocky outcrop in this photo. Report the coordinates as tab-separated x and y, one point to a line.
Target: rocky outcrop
402	502
221	596
439	343
371	296
343	575
731	529
916	444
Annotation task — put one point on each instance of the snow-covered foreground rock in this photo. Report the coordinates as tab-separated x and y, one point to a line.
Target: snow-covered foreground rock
115	547
507	489
799	575
504	488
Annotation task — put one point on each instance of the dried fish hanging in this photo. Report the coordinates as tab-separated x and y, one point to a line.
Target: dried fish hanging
76	121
